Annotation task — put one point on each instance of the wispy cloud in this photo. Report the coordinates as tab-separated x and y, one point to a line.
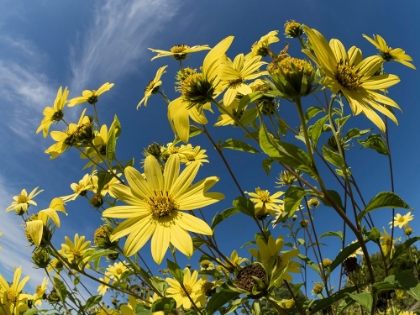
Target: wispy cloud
15	251
116	39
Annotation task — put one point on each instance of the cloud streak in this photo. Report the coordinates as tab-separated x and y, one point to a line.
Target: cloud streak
116	39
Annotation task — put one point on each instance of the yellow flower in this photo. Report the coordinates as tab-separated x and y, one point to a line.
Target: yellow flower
206	265
97	153
153	86
155	207
179	52
198	90
11	297
260	48
23	201
358	251
234	74
346	73
196	156
35	228
85	184
192	288
70	137
233	262
387	53
266	252
387	244
402	220
90	96
103	287
54	113
40	291
265	203
74	251
116	270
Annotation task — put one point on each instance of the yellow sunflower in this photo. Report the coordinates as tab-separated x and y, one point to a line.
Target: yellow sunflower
387	244
271	249
179	52
260	48
192	288
346	73
116	270
265	202
35	228
23	201
80	189
153	86
102	288
155	207
40	291
198	90
54	113
90	96
388	53
402	220
11	297
74	251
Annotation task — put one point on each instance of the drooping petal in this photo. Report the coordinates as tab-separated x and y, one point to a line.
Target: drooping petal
35	231
181	240
160	242
190	223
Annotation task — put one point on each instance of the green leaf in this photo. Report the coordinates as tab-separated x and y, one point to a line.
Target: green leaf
142	309
344	304
292	199
244	205
341	121
286	153
312	111
375	142
383	200
404	279
310	263
234	144
335	196
333	157
364	299
317	129
220	298
60	288
103	178
110	146
320	304
266	164
94	253
219	217
92	301
248	99
256	308
355	132
175	271
248	116
116	126
165	304
415	292
402	248
332	233
343	256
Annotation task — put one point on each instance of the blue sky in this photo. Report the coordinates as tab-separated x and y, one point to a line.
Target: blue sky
79	44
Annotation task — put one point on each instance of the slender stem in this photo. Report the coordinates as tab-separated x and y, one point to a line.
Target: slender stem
391	174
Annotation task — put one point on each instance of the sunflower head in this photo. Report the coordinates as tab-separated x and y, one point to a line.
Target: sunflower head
197	90
286	179
293	77
96	200
293	29
317	289
408	231
41	258
253	279
101	237
178	51
155	150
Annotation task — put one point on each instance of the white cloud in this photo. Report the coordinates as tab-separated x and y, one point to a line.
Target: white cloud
116	40
15	251
24	93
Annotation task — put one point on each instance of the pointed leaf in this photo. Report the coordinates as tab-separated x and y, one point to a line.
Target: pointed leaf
375	142
364	299
234	144
219	217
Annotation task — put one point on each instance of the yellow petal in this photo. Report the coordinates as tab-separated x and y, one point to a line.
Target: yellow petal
160	242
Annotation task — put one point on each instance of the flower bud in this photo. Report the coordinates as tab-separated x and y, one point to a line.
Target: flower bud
101	237
41	258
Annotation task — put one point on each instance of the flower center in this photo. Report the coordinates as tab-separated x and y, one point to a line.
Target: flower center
264	195
161	204
152	88
77	254
347	76
22	199
57	115
235	82
178	51
10	297
118	271
188	290
93	98
401	220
